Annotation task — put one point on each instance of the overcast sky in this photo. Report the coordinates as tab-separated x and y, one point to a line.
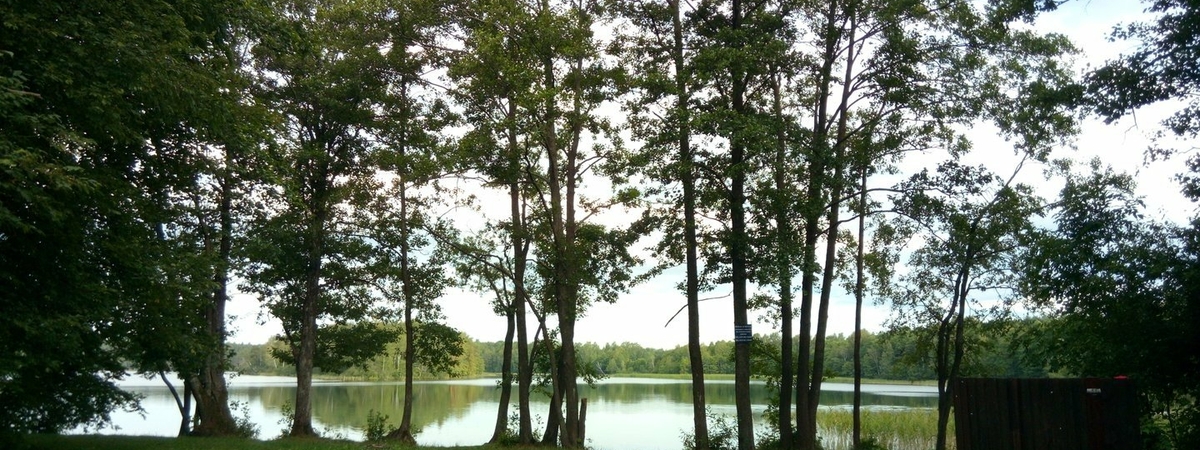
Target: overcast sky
641	315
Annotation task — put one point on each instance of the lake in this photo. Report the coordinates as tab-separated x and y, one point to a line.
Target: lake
623	413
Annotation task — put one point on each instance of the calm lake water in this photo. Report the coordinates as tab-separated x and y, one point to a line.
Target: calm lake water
623	413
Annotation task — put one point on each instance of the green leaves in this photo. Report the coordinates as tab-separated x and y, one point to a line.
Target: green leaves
1120	291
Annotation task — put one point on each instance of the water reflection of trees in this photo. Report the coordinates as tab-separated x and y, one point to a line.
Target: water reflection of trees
346	405
723	394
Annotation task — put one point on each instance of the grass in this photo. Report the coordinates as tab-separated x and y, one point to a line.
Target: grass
109	442
898	430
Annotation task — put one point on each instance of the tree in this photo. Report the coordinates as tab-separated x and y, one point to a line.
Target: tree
879	84
661	70
104	127
1120	293
737	50
1161	68
493	73
973	225
416	157
321	69
534	77
488	277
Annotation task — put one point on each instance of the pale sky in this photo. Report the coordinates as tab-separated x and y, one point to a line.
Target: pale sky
641	315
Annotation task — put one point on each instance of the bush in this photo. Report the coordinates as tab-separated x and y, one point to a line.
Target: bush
377	427
722	434
245	427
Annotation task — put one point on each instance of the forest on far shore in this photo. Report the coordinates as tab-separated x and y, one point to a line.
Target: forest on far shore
1001	349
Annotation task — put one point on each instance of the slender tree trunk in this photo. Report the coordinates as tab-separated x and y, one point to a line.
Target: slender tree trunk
319	210
554	423
185	407
404	432
837	184
505	377
783	258
856	438
951	342
187	402
813	208
825	156
554	416
520	297
687	175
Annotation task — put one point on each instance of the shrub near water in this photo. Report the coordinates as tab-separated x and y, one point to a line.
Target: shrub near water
910	429
377	427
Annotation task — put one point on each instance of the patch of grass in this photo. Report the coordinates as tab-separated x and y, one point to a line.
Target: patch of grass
910	429
117	442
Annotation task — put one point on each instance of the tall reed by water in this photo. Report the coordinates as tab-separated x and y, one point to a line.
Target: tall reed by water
898	429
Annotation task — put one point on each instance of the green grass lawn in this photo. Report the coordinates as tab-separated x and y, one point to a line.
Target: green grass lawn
98	442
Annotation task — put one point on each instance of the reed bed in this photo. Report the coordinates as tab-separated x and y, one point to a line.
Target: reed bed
895	429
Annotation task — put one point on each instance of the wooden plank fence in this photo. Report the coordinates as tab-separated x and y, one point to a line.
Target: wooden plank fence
1045	414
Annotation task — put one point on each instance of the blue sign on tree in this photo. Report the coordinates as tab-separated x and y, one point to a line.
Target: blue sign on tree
742	334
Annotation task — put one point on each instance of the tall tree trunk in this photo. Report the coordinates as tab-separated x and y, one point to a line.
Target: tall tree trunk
687	175
318	207
524	365
837	186
951	342
783	258
520	248
404	432
856	435
825	155
505	377
737	251
560	177
302	418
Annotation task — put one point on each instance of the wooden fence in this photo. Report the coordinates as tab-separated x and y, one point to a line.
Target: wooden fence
1045	414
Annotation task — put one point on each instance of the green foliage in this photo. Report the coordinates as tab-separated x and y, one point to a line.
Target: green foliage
997	349
1103	273
104	126
1161	67
447	352
377	426
722	433
287	416
246	428
344	346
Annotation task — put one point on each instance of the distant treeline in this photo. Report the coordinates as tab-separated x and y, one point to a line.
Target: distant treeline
892	355
256	359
